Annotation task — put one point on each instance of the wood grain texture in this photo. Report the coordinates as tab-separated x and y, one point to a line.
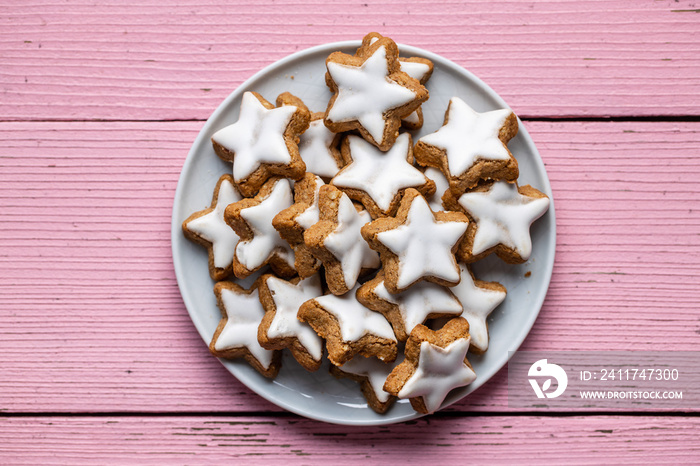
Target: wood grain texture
99	104
261	440
175	60
91	310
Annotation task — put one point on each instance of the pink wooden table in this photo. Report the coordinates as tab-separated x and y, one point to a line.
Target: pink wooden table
99	104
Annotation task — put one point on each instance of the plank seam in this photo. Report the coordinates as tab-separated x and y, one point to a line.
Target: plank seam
287	414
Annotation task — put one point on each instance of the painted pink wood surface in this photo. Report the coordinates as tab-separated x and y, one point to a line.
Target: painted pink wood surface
177	59
91	310
450	440
99	361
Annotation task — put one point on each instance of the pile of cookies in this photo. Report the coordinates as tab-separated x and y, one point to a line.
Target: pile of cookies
363	239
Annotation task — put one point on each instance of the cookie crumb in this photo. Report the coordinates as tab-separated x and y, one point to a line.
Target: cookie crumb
527	274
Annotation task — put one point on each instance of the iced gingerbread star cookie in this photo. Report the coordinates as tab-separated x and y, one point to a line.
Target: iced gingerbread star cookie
471	146
379	179
349	328
236	335
417	244
318	147
416	67
420	69
405	310
435	363
370	93
260	243
370	373
263	142
292	222
208	228
441	187
280	327
479	299
336	240
501	215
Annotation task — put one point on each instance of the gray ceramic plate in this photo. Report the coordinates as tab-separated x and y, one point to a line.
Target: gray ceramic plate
319	395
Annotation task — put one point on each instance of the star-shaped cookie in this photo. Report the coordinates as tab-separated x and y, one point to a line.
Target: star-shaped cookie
479	299
349	328
435	364
379	179
292	222
405	310
418	244
237	333
420	69
260	243
318	147
280	327
208	228
502	214
336	240
370	373
416	67
471	146
263	142
441	187
370	93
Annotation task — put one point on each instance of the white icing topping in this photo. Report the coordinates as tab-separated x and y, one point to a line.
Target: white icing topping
347	244
315	150
244	313
380	174
375	370
478	303
439	371
266	240
424	245
469	136
503	216
365	93
412	118
257	137
414	69
310	216
419	301
355	320
214	229
441	187
288	298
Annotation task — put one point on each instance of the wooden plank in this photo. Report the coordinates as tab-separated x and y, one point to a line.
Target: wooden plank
262	440
175	59
91	311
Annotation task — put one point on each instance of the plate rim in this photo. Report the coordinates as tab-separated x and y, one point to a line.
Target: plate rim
176	225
